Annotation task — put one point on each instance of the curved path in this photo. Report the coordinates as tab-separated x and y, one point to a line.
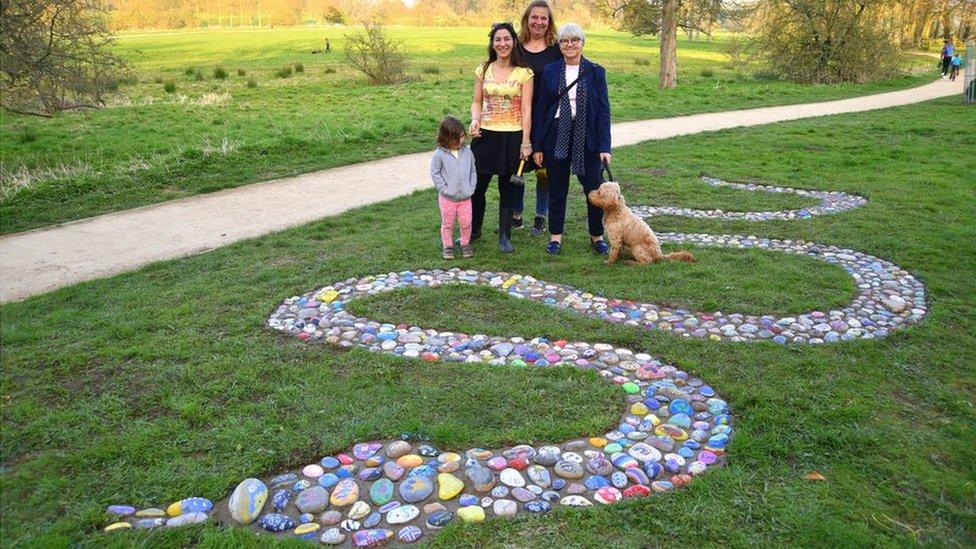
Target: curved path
673	428
46	259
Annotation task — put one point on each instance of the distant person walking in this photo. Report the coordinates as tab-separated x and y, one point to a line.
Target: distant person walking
571	133
947	52
537	33
501	121
956	65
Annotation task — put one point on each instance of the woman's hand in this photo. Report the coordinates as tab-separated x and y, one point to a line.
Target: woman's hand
605	158
475	129
537	157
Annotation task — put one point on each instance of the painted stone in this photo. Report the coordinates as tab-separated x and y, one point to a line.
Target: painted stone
359	510
313	500
345	493
151	513
448	486
148	523
381	492
569	470
409	534
275	522
332	536
118	526
247	501
393	470
121	510
402	514
607	495
397	449
471	513
188	518
482	478
439	519
415	489
307	531
576	501
539	475
371	538
512	478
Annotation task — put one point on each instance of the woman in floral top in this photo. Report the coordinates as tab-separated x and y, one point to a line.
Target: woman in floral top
501	119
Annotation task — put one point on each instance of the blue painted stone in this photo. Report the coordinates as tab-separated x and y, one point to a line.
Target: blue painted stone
468	499
281	499
415	489
274	522
652	403
686	452
427	450
558	483
328	480
538	506
365	450
626	428
386	336
370	474
654	470
423	471
372	520
342	473
637	476
706	391
439	519
381	492
121	510
389	507
409	534
594	482
371	538
681	420
330	462
718	441
303	484
286	478
195	505
499	492
623	461
305	518
550	496
247	500
619	479
692	444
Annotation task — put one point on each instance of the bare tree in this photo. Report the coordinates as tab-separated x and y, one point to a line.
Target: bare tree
54	56
376	55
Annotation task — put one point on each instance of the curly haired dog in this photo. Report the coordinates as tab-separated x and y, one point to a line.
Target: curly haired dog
627	231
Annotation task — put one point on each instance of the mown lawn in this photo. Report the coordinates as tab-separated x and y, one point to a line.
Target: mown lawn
163	383
150	146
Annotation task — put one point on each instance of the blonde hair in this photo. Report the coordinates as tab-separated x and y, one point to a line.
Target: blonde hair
524	23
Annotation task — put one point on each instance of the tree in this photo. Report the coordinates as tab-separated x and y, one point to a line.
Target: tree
825	41
54	56
376	55
663	18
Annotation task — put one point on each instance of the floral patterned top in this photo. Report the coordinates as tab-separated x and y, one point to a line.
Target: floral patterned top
501	103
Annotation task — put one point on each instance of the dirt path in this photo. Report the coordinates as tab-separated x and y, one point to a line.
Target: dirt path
46	259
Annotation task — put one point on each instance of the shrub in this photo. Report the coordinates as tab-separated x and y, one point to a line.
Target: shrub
169	86
375	54
299	67
198	76
431	69
158	79
330	70
219	73
252	83
642	61
284	72
708	73
189	71
241	72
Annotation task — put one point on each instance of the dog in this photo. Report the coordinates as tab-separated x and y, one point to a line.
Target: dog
628	232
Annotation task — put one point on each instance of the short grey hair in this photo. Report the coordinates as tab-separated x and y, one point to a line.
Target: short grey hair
571	30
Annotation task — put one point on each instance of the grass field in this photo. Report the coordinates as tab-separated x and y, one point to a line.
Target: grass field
211	133
163	383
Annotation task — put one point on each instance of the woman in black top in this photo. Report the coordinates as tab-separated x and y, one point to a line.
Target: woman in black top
537	39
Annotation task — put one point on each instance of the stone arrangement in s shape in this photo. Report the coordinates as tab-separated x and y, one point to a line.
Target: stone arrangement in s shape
674	426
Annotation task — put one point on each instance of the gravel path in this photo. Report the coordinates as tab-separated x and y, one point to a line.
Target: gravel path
46	259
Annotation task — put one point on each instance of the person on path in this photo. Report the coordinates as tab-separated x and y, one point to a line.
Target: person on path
947	51
571	132
956	65
501	122
453	173
537	34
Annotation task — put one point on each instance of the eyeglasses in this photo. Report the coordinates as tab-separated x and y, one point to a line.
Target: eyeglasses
575	41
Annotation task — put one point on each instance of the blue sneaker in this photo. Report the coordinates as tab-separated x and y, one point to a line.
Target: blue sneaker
600	247
554	247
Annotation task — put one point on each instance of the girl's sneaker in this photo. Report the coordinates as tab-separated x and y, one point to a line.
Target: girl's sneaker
448	253
467	251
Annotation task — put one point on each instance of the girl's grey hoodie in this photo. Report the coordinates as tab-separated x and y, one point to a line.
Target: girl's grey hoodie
455	178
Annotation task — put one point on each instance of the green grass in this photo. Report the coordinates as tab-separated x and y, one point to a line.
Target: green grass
163	383
150	146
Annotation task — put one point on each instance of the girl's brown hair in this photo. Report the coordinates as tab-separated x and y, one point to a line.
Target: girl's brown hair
450	132
524	23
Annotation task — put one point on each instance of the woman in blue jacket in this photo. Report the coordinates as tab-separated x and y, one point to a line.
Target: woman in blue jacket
571	132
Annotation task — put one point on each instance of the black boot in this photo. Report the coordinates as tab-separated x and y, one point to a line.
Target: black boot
505	230
539	226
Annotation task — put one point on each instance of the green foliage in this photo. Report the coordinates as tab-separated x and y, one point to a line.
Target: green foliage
198	75
284	72
189	71
430	69
219	73
642	61
241	72
252	83
299	67
169	86
154	385
707	73
818	41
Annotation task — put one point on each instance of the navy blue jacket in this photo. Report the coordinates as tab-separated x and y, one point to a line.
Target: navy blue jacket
597	107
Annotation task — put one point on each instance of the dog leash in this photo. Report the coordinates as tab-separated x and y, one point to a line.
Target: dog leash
606	169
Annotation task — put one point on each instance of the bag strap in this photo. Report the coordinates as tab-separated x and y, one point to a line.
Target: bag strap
573	83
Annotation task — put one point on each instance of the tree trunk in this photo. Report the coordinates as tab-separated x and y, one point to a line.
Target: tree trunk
669	44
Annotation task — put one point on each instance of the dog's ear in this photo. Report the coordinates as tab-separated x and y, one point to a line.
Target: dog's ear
611	191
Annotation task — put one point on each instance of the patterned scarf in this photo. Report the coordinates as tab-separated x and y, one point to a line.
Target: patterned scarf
566	131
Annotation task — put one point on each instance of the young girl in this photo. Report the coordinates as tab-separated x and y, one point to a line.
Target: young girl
453	173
